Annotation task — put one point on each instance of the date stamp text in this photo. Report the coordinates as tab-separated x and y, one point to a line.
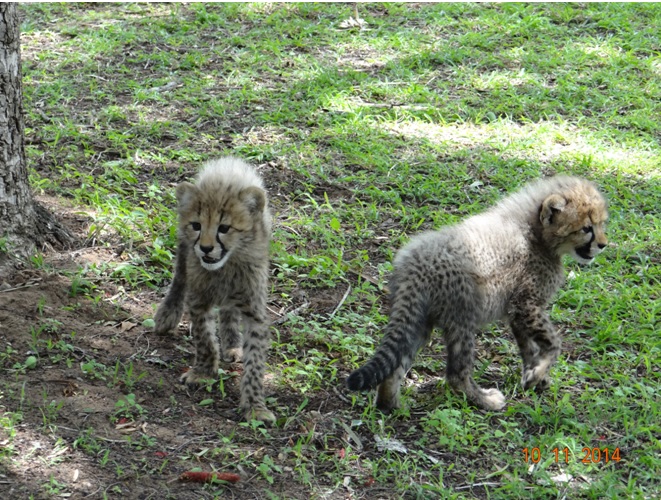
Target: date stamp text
590	455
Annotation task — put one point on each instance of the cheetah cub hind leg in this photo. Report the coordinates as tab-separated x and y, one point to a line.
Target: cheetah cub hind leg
488	399
388	391
459	378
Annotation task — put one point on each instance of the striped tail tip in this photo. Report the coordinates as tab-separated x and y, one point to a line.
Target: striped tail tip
357	382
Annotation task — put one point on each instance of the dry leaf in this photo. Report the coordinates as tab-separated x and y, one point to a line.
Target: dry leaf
353	22
390	444
125	326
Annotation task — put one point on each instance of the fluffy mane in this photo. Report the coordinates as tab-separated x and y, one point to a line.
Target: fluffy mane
217	174
524	205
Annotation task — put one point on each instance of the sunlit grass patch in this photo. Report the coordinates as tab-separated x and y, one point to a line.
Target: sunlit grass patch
544	142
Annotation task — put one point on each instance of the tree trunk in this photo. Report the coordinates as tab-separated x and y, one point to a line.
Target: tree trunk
16	208
23	223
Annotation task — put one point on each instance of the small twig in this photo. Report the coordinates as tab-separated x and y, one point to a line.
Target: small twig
274	311
485	483
414	107
186	443
344	297
43	115
366	277
92	494
293	312
166	87
430	80
476	485
135	344
22	285
107	440
340	395
290	229
110	486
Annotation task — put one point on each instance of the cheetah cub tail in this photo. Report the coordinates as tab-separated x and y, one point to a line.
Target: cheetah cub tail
382	365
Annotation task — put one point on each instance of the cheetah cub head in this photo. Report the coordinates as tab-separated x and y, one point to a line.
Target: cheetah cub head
574	221
220	220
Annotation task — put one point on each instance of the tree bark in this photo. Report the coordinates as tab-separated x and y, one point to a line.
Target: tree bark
16	208
23	223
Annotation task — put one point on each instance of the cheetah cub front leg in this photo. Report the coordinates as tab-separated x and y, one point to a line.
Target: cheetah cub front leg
207	351
254	350
255	347
230	336
169	312
539	343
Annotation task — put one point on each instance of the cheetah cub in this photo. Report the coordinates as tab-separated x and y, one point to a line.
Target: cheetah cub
221	273
503	263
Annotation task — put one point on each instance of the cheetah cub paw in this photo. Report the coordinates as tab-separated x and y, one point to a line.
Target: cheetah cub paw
261	414
537	376
234	355
492	399
192	379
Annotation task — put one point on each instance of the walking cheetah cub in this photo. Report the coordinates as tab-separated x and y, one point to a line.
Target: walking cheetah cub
503	263
222	262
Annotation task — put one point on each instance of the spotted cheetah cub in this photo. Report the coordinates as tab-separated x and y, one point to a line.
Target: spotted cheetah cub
503	263
221	273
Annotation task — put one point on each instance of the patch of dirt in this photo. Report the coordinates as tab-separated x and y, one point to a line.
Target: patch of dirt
68	403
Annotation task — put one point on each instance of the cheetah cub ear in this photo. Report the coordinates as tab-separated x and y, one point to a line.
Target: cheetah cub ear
551	206
254	199
186	193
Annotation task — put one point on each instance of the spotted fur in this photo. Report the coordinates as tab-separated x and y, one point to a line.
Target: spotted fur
503	263
221	274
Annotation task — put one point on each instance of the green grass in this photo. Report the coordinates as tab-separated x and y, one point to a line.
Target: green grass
366	137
